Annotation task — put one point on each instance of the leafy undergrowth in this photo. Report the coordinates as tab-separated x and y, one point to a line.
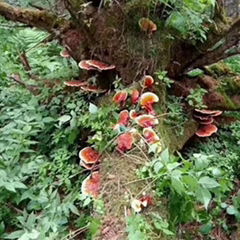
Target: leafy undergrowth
40	178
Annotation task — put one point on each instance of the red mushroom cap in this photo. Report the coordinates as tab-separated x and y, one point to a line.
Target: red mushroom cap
124	118
146	120
64	53
120	97
89	155
125	142
93	89
135	96
202	118
75	83
206	122
150	135
133	114
91	185
147	25
147	100
84	65
148	81
88	166
206	131
147	200
213	113
100	65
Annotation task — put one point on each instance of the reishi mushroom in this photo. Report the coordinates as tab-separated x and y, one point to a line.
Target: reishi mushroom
84	65
120	97
147	25
146	120
64	53
95	65
135	96
147	100
125	142
89	157
100	65
207	130
91	185
148	81
124	118
150	135
207	121
75	83
213	113
133	114
93	89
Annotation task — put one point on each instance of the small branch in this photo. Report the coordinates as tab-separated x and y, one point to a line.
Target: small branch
34	18
33	89
25	62
231	37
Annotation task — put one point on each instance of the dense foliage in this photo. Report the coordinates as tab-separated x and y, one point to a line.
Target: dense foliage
43	125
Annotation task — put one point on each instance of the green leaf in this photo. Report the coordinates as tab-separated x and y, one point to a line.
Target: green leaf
206	228
191	182
208	182
157	166
93	108
231	210
15	235
203	196
177	185
63	119
195	73
165	156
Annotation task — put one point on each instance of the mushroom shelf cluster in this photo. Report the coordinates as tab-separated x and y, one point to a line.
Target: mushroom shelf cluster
206	119
137	124
90	65
89	159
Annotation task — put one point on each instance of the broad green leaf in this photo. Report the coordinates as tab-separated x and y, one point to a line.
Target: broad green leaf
195	73
15	235
203	196
93	108
165	156
191	182
208	182
157	166
63	119
231	210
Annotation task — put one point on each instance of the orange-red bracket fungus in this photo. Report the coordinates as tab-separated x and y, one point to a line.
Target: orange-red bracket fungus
213	113
147	25
146	120
125	142
133	114
89	155
75	83
148	81
135	96
64	53
124	118
206	131
150	135
91	185
93	89
147	100
207	121
95	65
84	65
120	97
100	66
